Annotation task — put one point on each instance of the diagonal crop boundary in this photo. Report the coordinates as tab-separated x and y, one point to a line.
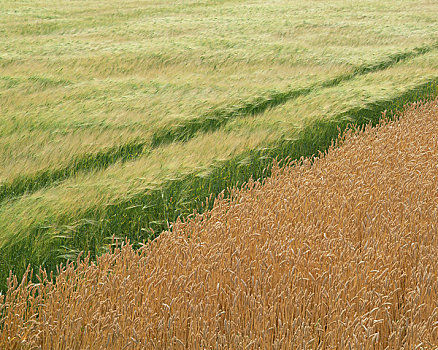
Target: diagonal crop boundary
185	130
144	216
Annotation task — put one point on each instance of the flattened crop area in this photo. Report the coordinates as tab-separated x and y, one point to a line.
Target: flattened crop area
116	117
338	252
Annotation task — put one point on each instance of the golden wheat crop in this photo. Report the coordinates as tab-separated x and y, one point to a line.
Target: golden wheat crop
337	252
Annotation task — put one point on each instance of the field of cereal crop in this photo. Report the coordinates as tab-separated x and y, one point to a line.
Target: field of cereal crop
119	116
339	252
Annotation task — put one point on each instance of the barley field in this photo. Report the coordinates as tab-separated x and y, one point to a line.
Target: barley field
119	116
334	252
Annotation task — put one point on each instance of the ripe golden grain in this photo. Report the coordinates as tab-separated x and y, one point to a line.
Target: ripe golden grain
337	253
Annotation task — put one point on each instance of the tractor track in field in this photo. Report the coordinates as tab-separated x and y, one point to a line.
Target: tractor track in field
183	131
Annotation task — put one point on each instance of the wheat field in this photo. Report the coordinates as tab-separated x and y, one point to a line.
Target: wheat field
336	251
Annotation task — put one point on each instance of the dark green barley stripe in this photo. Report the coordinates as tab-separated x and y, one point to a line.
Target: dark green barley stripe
214	120
99	160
